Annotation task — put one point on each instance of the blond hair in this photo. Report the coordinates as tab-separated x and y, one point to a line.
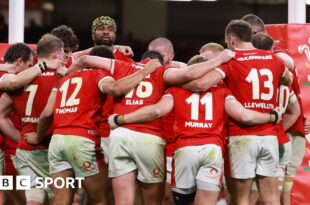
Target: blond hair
211	46
48	44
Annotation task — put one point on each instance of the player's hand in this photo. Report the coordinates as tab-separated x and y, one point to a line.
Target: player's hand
55	63
152	65
126	50
307	127
111	121
62	71
31	138
279	113
227	55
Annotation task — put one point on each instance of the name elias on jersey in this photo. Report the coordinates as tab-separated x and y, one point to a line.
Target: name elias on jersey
254	57
134	102
258	105
198	124
66	110
30	119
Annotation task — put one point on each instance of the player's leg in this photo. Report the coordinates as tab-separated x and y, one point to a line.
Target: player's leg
34	164
63	195
266	171
148	154
13	196
240	190
268	190
285	151
254	196
204	197
94	185
122	168
242	151
168	198
87	161
108	184
298	150
153	193
209	176
124	189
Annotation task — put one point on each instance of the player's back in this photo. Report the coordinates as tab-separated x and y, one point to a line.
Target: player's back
147	92
253	77
78	104
30	101
199	118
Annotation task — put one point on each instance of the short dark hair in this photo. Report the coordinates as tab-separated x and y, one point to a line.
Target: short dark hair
262	41
67	35
153	55
102	51
16	51
254	20
240	29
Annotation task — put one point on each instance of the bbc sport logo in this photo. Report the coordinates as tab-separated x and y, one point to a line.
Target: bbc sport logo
24	182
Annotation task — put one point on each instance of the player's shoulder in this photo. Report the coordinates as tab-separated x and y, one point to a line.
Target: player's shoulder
2	73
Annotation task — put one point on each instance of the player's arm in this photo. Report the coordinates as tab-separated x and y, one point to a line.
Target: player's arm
78	54
124	85
286	78
45	121
287	60
205	82
91	61
183	75
178	64
126	50
6	126
292	112
249	117
144	114
14	82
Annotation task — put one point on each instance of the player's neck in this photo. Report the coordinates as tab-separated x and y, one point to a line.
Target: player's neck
245	45
43	59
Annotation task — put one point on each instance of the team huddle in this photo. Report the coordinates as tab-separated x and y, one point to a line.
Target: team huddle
228	120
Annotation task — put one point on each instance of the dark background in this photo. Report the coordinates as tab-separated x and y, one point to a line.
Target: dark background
188	25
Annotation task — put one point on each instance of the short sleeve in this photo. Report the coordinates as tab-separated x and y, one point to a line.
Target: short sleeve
121	69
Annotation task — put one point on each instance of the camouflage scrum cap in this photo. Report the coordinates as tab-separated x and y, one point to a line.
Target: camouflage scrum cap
103	20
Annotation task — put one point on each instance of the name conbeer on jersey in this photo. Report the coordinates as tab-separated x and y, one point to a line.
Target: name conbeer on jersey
198	124
254	57
258	105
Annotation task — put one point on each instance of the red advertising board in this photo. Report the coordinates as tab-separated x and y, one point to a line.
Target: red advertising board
297	39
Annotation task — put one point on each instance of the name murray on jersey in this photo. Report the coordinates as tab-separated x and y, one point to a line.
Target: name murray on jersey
198	124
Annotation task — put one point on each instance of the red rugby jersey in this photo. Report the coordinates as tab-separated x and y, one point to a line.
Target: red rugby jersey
199	118
78	104
253	77
29	102
107	109
149	91
299	124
